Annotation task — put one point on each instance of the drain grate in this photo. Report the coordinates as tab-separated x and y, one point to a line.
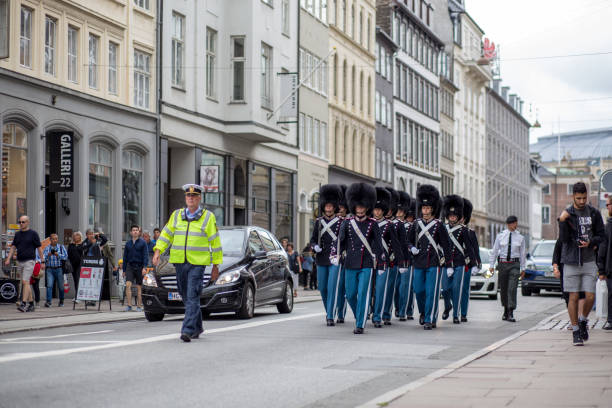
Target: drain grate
564	324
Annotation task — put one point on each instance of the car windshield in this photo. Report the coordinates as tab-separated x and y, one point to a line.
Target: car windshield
544	249
484	255
232	241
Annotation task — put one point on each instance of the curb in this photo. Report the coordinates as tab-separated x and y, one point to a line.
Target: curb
390	396
304	299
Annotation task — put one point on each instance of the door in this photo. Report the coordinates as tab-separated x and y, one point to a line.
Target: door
277	282
261	268
50	211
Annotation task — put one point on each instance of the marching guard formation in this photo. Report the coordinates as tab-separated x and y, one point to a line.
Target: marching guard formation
378	249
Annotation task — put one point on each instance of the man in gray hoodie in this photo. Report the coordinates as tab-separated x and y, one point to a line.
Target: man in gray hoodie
604	262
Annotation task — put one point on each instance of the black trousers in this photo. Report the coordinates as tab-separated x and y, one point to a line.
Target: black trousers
36	290
508	276
609	282
76	275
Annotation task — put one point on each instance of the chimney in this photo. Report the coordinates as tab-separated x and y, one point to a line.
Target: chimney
512	101
521	102
504	93
496	83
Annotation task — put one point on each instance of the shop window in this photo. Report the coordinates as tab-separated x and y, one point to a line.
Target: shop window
133	166
261	196
284	205
14	173
212	178
100	189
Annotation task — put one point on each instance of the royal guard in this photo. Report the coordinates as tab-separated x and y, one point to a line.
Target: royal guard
404	293
460	256
429	243
324	241
475	263
361	240
341	298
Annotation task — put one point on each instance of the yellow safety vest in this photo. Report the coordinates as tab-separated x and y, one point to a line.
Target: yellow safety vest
192	241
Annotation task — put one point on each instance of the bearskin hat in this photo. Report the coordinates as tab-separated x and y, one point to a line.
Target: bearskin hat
383	199
394	200
404	201
329	193
453	205
412	208
428	195
343	200
467	211
360	194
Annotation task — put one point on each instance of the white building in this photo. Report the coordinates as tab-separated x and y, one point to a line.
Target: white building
220	85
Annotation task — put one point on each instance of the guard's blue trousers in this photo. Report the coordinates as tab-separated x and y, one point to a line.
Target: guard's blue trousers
328	281
358	282
451	288
189	282
427	286
406	292
381	292
341	299
391	289
463	296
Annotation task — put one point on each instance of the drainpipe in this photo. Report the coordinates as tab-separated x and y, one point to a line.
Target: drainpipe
158	59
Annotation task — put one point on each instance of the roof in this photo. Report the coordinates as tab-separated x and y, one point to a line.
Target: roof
580	145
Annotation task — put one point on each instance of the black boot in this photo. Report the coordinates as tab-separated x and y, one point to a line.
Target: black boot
505	315
446	312
511	316
456	320
330	322
422	319
358	330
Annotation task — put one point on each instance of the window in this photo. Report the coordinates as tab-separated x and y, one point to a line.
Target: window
546	214
361	91
214	199
301	130
261	196
266	76
570	187
142	4
50	44
4	29
284	204
14	173
133	166
344	83
377	107
344	15
285	13
323	143
94	42
369	32
238	61
100	176
335	75
361	27
353	21
324	11
369	96
178	49
315	137
308	141
112	67
73	42
546	189
142	79
383	110
25	38
353	88
211	58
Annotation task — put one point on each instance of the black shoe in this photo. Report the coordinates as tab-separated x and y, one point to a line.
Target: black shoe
358	330
505	315
584	331
47	304
434	325
396	313
422	319
402	319
463	319
377	325
427	326
22	308
409	317
607	326
60	304
387	322
340	321
446	312
511	316
456	320
330	322
185	337
31	308
197	335
577	339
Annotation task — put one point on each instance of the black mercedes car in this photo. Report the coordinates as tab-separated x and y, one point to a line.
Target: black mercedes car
255	272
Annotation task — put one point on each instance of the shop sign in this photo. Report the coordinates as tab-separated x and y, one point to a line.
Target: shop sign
61	161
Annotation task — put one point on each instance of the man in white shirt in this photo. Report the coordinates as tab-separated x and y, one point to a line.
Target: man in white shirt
509	252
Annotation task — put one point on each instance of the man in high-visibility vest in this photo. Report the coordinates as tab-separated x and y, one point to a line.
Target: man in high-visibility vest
193	238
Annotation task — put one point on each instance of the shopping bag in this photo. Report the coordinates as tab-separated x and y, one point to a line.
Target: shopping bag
601	299
66	286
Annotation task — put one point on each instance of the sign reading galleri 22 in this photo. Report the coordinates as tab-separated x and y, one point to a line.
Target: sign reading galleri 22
92	276
61	161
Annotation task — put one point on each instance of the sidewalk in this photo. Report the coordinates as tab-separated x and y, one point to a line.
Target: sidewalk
540	368
12	320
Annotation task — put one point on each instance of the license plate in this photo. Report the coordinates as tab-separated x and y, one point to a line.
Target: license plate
174	296
549	274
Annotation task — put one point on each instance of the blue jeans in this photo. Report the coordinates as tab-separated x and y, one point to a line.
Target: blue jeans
406	292
189	281
328	280
55	275
341	298
427	283
358	283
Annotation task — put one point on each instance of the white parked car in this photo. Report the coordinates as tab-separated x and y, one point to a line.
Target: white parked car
483	282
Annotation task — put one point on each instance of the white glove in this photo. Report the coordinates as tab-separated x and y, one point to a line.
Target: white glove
414	250
317	249
334	260
449	272
403	270
474	270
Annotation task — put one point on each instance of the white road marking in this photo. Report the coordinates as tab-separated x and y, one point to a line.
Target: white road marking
62	342
55	337
164	337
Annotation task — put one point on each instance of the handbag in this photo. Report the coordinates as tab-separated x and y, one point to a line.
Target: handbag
601	299
67	267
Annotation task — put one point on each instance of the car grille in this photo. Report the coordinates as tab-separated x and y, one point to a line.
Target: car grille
169	281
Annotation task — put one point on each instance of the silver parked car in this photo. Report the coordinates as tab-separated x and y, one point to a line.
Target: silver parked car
483	282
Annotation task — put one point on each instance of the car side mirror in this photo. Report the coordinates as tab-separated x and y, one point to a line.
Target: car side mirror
260	254
528	255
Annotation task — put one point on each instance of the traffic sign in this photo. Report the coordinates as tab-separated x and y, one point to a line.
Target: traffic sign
606	180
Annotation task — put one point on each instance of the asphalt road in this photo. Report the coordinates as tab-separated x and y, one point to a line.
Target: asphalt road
272	360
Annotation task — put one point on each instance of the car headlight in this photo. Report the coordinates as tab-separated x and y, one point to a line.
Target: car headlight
228	277
149	280
487	273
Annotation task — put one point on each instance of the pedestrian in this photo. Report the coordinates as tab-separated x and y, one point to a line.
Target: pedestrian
284	242
360	237
295	265
429	243
509	252
581	231
604	262
385	272
193	238
324	241
27	243
135	261
307	266
54	255
146	237
460	255
475	263
75	257
92	246
404	297
341	303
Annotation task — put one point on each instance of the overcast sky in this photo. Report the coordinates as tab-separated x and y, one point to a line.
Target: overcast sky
557	87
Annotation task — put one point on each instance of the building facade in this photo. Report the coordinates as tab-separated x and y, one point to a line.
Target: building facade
507	162
221	87
470	120
313	160
85	71
351	91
